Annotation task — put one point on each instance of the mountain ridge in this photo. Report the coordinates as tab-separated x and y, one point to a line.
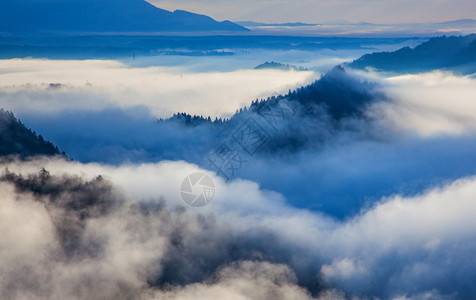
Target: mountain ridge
454	53
33	16
17	139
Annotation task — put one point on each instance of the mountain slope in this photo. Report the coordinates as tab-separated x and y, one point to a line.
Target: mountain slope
101	16
453	53
336	94
305	117
16	139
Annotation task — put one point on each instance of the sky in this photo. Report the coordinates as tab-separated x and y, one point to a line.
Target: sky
317	11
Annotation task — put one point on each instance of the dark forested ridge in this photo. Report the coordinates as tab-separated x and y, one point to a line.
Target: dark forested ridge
312	114
189	120
336	93
305	117
278	66
16	139
456	53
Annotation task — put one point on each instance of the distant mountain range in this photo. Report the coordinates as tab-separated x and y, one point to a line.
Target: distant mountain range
33	16
462	22
259	24
456	53
363	29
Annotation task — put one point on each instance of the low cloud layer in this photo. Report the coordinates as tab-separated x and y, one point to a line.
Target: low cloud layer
245	244
378	203
431	104
32	87
401	146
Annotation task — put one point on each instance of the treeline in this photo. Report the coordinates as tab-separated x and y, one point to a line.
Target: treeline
455	53
17	139
278	66
336	93
189	120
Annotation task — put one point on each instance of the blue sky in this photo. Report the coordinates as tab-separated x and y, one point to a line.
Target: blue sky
378	11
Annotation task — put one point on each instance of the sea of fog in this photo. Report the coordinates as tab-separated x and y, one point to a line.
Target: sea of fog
382	207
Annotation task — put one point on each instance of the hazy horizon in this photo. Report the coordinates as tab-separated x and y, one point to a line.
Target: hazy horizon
306	11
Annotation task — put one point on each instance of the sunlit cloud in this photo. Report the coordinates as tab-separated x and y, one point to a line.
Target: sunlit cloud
31	86
431	104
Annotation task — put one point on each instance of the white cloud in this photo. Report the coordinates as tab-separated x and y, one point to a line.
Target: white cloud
403	245
95	85
427	104
246	280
